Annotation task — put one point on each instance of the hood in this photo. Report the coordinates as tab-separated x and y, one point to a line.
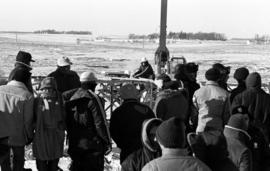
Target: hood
253	80
146	127
168	93
81	94
236	133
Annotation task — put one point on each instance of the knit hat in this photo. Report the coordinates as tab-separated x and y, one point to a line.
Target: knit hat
212	74
48	82
253	80
239	121
63	61
143	59
171	133
88	76
241	73
24	58
129	91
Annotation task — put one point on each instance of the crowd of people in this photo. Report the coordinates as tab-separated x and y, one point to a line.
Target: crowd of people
191	126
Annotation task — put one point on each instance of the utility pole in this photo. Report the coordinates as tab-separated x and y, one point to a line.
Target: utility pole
162	53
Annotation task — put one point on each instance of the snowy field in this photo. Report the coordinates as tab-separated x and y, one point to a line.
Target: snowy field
120	56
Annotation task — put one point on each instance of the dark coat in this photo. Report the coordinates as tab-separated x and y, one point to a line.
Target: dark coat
239	89
19	66
85	123
136	160
257	102
66	79
210	147
126	123
145	72
170	103
237	145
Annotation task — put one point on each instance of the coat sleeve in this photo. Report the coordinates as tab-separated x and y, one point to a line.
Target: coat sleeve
114	128
29	119
246	161
99	121
226	111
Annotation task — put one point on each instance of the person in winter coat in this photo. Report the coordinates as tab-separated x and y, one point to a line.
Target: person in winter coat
66	79
150	150
256	100
240	75
224	75
23	62
48	143
126	121
238	141
212	103
87	130
171	137
145	70
170	100
211	148
16	106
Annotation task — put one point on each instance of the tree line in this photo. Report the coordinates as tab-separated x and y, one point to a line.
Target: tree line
52	31
183	35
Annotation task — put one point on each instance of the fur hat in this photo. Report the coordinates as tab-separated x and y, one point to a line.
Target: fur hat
24	58
48	82
63	61
212	74
171	133
129	91
241	73
88	76
253	80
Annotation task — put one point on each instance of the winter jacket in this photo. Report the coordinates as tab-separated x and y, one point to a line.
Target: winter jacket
66	79
16	116
211	148
237	145
212	104
257	102
126	123
86	128
175	161
19	66
136	160
239	89
145	72
170	103
49	135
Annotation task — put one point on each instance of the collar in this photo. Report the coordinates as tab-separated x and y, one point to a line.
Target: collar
28	66
167	152
214	83
17	84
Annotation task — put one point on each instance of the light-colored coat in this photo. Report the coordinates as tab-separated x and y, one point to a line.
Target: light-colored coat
212	104
16	113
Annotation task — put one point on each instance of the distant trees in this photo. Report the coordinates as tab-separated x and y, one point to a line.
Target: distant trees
183	35
52	31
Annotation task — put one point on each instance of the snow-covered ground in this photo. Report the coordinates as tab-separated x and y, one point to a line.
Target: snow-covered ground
117	56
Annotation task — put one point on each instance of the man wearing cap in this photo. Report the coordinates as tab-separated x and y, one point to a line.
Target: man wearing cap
171	137
16	117
238	141
87	130
212	103
145	70
23	60
240	75
126	121
66	78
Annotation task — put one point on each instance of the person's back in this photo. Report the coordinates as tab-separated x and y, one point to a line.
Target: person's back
66	79
171	137
127	119
212	103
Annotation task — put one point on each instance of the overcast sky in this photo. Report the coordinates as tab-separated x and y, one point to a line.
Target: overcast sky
235	18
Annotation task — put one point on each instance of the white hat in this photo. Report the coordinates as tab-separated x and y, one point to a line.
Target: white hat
143	59
63	61
88	76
